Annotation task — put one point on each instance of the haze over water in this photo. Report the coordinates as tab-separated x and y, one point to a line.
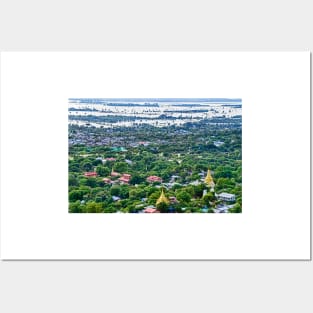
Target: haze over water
154	111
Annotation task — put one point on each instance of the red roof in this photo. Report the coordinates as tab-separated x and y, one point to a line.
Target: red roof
150	210
110	159
126	175
124	180
115	174
90	174
154	179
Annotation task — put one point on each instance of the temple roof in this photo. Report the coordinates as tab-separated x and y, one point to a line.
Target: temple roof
209	179
162	198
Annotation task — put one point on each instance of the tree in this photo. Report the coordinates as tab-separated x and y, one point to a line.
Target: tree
136	179
72	180
235	209
198	190
120	167
87	166
75	207
102	170
75	195
209	197
162	207
91	182
124	191
183	196
93	207
154	197
115	191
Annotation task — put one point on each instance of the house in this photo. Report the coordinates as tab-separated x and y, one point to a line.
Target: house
226	196
118	149
116	198
173	178
107	180
90	174
218	143
173	199
221	209
195	183
144	143
110	159
115	174
153	179
150	209
125	178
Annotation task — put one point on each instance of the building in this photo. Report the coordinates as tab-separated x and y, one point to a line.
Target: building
125	178
151	210
143	143
110	159
221	209
162	198
209	180
154	179
107	180
173	199
173	178
226	196
90	174
118	149
195	183
115	174
218	143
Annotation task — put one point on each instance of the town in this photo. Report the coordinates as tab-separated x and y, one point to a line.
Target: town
193	167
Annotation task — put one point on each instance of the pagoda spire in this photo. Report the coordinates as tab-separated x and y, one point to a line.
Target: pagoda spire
162	198
209	179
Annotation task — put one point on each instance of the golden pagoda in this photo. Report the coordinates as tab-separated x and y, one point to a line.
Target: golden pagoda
209	180
162	198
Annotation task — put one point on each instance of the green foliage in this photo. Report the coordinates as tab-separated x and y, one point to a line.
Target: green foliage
102	170
235	209
120	167
76	195
137	179
154	197
183	196
115	191
75	207
73	181
163	207
93	207
184	151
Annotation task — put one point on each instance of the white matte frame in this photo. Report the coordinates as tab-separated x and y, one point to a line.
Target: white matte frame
275	92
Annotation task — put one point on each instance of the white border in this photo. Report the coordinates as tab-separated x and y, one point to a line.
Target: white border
275	223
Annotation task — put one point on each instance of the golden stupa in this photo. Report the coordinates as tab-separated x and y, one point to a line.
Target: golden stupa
209	180
162	199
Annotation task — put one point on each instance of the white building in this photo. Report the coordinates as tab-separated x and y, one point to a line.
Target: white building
226	196
218	143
